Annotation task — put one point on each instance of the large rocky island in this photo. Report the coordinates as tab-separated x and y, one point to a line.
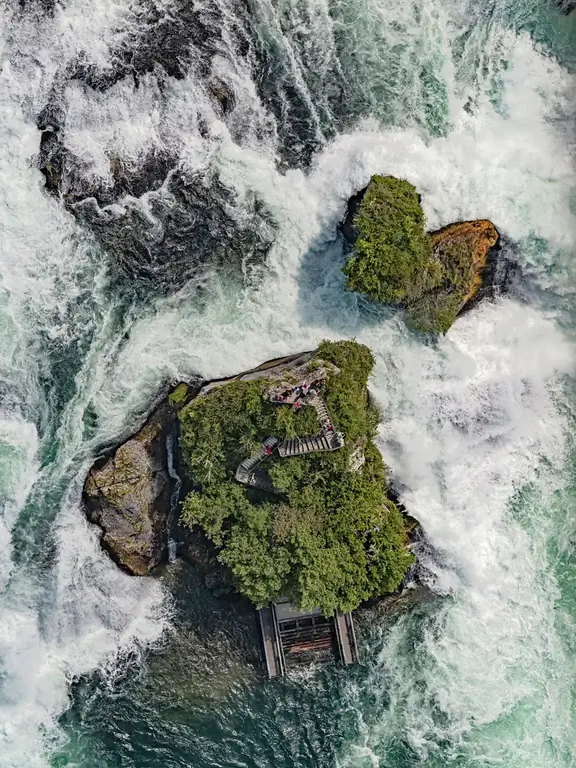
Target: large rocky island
279	472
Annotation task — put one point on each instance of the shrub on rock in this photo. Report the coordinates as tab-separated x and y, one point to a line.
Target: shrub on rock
392	261
328	537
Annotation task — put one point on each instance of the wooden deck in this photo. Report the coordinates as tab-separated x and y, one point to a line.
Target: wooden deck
273	653
292	638
346	638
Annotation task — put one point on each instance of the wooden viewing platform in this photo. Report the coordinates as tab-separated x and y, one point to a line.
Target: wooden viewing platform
292	637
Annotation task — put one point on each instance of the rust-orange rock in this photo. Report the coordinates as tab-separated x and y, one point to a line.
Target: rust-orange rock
459	255
467	245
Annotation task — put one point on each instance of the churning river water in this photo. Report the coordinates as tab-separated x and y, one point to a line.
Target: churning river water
207	153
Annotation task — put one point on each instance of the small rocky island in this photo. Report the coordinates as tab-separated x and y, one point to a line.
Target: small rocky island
433	276
281	475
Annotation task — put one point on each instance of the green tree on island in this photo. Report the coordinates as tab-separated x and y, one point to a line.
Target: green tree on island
330	537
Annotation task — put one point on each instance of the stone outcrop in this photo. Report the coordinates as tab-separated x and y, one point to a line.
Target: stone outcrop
434	276
460	255
474	239
128	495
131	492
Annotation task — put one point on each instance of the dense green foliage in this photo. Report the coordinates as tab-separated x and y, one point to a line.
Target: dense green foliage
434	311
332	538
392	261
396	262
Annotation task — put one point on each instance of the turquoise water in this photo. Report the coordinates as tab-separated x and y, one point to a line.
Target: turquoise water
473	103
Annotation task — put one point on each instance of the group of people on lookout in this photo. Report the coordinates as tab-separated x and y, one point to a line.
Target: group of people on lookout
295	394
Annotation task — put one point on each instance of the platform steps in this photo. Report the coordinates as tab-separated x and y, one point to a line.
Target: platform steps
322	412
261	479
296	446
292	637
248	474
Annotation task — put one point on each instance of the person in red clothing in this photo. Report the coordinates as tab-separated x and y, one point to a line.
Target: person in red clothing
268	450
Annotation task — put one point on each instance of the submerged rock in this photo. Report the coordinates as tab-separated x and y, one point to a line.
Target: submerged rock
128	495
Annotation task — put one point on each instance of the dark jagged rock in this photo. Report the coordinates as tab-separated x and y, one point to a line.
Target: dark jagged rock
166	45
46	6
197	220
171	39
69	177
51	159
349	231
196	223
52	116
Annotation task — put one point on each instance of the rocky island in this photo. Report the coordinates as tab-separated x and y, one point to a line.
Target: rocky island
433	276
281	475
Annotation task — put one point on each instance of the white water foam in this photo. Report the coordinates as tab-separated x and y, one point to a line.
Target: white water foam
485	426
93	616
467	421
67	617
18	471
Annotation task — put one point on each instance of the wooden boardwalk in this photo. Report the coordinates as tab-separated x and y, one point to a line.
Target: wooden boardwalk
248	471
346	637
291	637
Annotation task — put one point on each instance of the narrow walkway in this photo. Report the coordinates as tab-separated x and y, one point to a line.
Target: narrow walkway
327	439
247	471
322	412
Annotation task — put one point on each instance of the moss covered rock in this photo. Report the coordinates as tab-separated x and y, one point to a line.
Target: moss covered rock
462	251
392	260
321	530
127	494
433	276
